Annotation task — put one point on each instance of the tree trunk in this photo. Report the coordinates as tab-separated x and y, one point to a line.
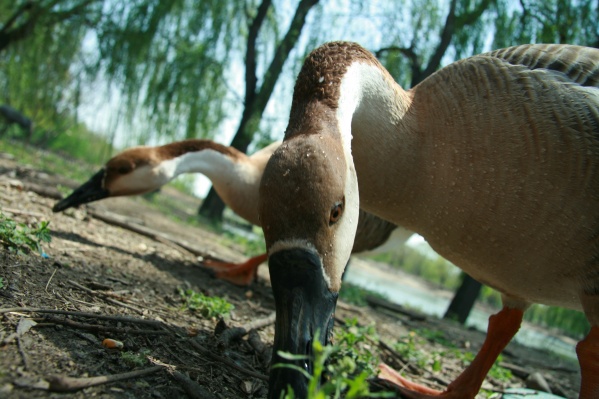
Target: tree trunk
464	299
255	101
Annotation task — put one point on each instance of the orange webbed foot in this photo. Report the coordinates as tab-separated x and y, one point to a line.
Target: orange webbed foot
237	273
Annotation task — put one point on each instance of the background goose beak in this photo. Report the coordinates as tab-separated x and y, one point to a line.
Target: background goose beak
305	309
90	191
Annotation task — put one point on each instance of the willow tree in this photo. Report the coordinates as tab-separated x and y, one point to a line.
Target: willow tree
20	19
168	61
257	96
39	43
165	59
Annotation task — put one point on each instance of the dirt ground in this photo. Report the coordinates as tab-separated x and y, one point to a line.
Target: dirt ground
110	282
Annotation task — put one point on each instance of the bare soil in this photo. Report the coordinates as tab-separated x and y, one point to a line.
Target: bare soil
96	268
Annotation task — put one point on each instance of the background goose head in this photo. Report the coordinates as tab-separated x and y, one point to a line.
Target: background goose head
134	171
309	213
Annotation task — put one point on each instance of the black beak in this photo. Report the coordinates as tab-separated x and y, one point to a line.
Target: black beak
305	309
91	190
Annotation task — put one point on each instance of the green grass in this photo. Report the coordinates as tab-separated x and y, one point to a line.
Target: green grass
411	348
135	359
22	239
356	295
49	162
207	306
341	369
250	246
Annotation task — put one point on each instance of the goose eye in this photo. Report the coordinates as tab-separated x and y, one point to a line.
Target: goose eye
336	212
123	170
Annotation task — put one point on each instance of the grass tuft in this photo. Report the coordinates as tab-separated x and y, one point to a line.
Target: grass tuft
207	306
22	239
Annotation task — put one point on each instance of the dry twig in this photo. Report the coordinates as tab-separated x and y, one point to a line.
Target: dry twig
123	319
62	383
50	279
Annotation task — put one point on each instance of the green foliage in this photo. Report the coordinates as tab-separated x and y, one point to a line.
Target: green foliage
79	142
355	347
437	336
437	271
49	161
490	297
498	372
408	348
251	246
567	321
571	322
38	75
547	21
184	184
1	283
340	365
20	238
411	348
356	295
207	306
161	56
136	359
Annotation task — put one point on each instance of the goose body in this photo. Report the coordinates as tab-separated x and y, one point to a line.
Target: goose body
235	176
493	159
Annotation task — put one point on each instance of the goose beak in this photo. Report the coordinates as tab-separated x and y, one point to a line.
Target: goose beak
304	304
90	191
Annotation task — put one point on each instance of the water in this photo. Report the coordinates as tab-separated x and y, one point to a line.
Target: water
435	303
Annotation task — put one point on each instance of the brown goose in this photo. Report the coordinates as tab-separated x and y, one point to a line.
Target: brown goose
235	176
493	159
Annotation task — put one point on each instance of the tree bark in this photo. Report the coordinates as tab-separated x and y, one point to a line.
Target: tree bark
255	100
464	299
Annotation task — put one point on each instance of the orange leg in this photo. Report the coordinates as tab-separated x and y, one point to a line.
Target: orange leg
237	273
502	328
588	356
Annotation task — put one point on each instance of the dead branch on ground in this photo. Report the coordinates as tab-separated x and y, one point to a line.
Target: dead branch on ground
62	383
234	333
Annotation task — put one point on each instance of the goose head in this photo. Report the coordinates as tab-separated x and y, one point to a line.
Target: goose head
309	213
135	171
